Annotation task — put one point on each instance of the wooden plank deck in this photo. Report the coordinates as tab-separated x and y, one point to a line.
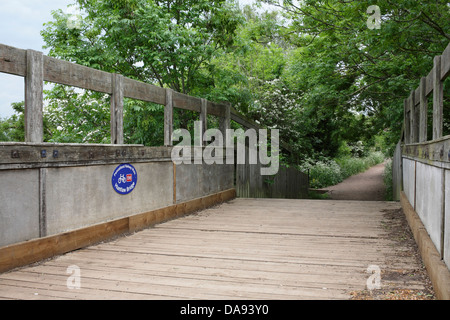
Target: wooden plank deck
244	249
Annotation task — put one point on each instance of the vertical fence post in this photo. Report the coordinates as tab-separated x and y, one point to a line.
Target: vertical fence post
204	117
168	118
406	121
34	95
225	121
117	109
414	118
423	122
438	102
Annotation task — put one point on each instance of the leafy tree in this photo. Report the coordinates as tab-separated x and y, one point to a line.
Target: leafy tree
77	116
347	66
168	43
13	128
163	42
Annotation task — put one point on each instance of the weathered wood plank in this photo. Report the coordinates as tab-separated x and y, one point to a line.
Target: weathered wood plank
168	118
225	121
35	250
423	122
414	118
50	153
117	109
186	102
407	120
204	117
207	256
445	63
143	91
13	60
34	95
247	123
71	74
438	102
436	150
28	252
216	109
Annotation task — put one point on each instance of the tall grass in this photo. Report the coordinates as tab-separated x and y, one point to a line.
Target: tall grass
327	173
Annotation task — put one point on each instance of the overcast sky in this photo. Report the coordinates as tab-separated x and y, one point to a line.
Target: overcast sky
21	22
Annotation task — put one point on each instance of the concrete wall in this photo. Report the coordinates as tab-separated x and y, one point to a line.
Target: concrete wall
19	205
427	187
196	180
53	197
77	197
447	220
409	179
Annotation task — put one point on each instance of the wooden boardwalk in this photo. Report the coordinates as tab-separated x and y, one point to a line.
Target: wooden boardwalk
243	249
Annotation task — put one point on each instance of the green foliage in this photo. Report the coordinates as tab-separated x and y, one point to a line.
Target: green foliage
329	172
142	123
168	43
77	116
13	128
164	42
314	70
322	173
342	67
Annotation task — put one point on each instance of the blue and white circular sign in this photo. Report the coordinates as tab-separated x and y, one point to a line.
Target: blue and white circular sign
124	179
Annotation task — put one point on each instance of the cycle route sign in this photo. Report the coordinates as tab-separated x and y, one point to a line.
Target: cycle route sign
124	179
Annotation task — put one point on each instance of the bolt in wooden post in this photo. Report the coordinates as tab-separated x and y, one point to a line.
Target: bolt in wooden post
438	102
34	95
168	118
117	109
423	122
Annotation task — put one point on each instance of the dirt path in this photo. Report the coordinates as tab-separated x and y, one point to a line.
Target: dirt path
366	186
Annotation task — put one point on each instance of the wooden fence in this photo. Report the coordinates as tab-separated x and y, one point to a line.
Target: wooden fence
37	68
288	183
421	173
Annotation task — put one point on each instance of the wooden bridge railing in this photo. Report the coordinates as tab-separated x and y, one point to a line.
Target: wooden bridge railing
60	197
421	172
36	68
416	106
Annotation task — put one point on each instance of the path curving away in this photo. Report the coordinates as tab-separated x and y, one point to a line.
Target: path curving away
366	186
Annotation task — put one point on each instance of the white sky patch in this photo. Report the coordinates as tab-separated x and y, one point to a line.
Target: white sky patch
21	22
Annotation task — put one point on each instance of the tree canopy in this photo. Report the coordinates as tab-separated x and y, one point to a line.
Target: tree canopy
331	75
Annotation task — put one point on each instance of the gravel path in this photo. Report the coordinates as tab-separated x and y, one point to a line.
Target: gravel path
366	186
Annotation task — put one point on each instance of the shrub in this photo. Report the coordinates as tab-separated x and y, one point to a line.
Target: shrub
325	173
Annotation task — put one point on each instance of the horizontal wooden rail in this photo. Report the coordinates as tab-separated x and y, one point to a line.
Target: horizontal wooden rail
416	105
421	165
36	68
